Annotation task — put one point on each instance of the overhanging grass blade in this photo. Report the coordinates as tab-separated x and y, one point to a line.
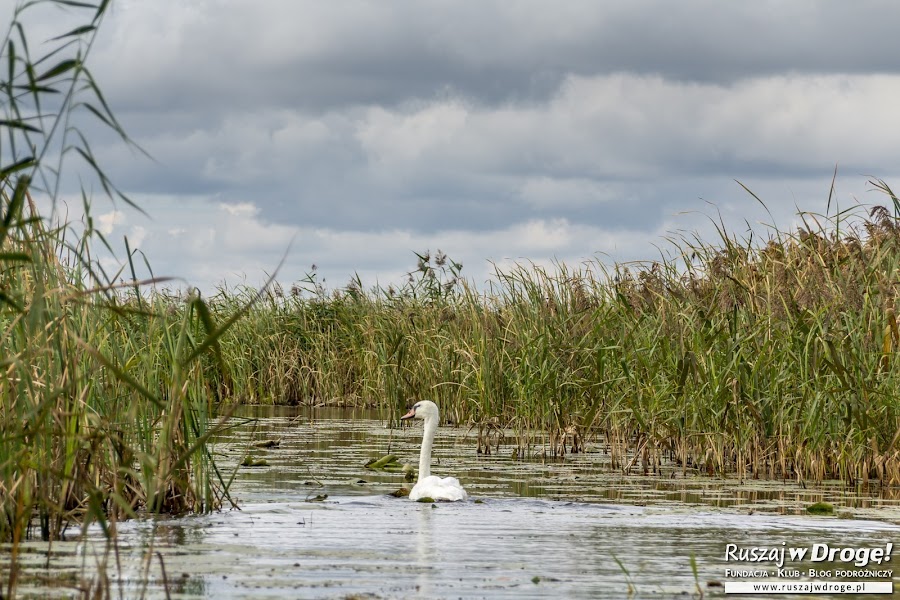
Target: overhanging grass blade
119	373
78	31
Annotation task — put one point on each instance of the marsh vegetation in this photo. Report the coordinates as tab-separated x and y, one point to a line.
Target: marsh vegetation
772	358
104	409
763	358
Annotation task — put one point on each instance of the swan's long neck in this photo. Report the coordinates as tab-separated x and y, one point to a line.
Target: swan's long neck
431	425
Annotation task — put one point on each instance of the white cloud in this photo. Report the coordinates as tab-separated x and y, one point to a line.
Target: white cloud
108	221
243	209
236	246
136	236
391	137
634	126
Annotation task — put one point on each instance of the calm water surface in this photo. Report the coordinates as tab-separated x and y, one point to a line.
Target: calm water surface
532	529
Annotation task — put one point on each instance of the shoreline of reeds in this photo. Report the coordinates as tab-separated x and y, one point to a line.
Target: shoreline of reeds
764	360
105	412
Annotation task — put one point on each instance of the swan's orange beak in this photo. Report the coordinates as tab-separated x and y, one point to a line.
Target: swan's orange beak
409	415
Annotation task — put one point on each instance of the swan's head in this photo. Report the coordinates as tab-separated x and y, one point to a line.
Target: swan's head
423	409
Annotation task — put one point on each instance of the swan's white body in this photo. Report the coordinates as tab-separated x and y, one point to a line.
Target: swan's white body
428	485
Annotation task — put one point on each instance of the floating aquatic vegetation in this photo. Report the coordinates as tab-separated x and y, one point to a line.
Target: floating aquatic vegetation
267	443
382	463
820	508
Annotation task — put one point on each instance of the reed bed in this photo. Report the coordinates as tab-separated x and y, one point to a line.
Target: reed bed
104	409
775	359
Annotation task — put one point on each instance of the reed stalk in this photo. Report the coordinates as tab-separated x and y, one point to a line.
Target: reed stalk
761	359
104	409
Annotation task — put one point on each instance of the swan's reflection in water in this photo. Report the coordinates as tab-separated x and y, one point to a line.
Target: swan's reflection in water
425	551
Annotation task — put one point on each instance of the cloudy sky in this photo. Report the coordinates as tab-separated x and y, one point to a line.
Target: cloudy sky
496	131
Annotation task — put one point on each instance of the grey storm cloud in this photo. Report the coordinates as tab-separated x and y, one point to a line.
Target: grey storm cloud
501	130
318	56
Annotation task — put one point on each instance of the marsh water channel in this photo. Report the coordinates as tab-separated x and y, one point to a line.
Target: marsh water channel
315	523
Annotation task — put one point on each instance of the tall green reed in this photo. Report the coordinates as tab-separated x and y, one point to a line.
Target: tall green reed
104	410
764	359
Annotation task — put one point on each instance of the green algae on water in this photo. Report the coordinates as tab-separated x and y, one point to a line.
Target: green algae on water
820	508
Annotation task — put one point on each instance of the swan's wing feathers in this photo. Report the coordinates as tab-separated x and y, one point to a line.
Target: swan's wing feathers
437	488
452	490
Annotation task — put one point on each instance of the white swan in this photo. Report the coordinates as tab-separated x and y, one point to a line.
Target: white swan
428	485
